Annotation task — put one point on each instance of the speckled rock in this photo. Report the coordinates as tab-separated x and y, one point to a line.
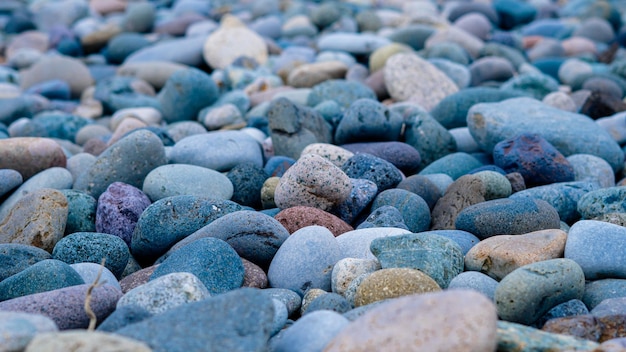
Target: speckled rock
384	216
361	194
530	291
212	260
413	208
518	337
368	120
391	283
18	329
92	340
254	276
137	278
423	187
65	306
30	155
602	201
118	210
348	269
247	180
81	216
446	324
38	219
365	166
335	154
297	217
218	54
17	257
522	215
312	181
499	255
464	192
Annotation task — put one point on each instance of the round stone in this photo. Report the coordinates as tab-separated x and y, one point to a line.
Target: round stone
392	283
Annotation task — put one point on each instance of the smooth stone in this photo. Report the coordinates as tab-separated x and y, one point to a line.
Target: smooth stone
212	260
536	85
474	280
93	247
182	179
475	23
122	317
137	278
312	332
414	210
464	239
595	245
561	101
516	337
81	215
305	260
490	123
308	75
10	179
182	129
343	92
15	258
65	306
15	108
312	181
499	255
30	155
496	184
165	293
18	329
293	127
119	209
598	290
60	67
570	308
281	316
530	291
491	69
356	244
454	165
401	155
240	320
409	77
45	275
466	191
253	235
564	197
353	43
384	216
185	93
90	271
60	125
367	120
297	217
217	150
610	306
185	51
155	73
458	73
361	195
379	57
507	216
112	165
335	154
171	219
247	180
538	161
92	340
436	256
219	55
123	45
423	187
472	44
413	35
602	201
37	219
291	299
615	125
347	270
215	118
254	276
392	283
366	166
420	123
393	325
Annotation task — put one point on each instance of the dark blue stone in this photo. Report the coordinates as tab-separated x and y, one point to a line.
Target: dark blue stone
247	180
365	166
185	93
277	165
368	120
423	187
53	89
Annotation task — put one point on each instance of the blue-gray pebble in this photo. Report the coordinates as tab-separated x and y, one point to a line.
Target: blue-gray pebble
602	201
185	93
45	275
414	209
16	257
368	120
365	166
81	214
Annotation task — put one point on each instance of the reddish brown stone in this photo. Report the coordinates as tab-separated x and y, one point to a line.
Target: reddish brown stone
517	181
30	155
254	276
613	326
295	218
465	191
137	278
584	326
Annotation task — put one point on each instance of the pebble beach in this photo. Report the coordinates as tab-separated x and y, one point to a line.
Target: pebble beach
304	176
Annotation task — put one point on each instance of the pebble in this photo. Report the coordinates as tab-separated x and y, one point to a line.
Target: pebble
313	332
254	276
18	329
297	217
515	337
393	325
218	54
60	67
342	92
305	260
29	156
81	215
508	216
368	167
454	165
466	191
601	202
212	260
499	255
368	120
11	179
384	216
335	154
597	291
413	209
392	283
67	340
182	179
474	280
65	306
17	257
530	291
90	271
586	239
353	43
93	247
118	210
185	93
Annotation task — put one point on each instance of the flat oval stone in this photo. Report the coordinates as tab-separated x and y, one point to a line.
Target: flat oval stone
93	247
17	257
312	181
436	256
476	281
447	324
297	217
218	150
45	275
254	235
212	260
308	75
119	209
61	67
30	155
38	219
413	208
602	201
18	329
490	123
305	260
142	149
532	290
498	256
595	246
507	217
171	219
392	283
165	293
67	340
354	43
240	320
454	165
401	155
66	306
181	179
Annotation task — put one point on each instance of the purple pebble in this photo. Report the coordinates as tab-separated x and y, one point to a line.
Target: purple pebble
119	209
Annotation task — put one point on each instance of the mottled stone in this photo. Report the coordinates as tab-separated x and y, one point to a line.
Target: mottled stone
254	276
119	209
30	155
391	283
518	337
17	257
297	217
466	191
602	201
365	166
413	208
368	120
